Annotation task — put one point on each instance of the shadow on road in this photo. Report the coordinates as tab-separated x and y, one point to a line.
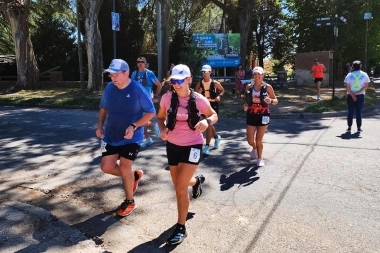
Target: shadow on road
158	244
348	135
244	177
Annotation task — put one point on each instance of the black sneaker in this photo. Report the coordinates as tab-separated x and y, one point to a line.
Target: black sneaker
197	188
177	237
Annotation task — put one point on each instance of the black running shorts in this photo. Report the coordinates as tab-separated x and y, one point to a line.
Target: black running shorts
183	154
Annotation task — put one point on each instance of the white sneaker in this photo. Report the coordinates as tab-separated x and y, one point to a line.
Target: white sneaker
146	142
260	162
253	153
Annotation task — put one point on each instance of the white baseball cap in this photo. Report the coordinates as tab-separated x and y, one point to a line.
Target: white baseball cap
259	70
206	68
180	71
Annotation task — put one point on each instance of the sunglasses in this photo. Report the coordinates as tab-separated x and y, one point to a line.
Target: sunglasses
140	61
177	81
204	72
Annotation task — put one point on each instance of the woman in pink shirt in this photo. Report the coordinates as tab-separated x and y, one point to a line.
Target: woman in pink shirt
182	129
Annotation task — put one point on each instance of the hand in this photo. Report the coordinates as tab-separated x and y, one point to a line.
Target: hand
201	126
267	100
245	107
164	134
99	133
129	132
217	99
155	100
200	90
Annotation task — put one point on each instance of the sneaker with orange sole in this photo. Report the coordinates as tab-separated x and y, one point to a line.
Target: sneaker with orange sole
138	175
126	208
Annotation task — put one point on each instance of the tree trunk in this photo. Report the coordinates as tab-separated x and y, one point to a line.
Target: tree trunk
245	8
93	42
27	69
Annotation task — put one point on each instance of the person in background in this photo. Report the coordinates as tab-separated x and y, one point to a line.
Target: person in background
213	91
317	70
147	79
258	95
127	107
356	83
182	128
239	75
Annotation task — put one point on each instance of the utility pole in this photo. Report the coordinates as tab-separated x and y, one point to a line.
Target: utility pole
367	16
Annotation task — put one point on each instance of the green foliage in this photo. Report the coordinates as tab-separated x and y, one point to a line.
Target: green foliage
6	42
54	45
183	50
129	38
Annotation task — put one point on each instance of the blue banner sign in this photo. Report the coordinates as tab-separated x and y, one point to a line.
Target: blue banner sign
223	49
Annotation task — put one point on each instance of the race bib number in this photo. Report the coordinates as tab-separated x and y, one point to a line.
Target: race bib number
195	155
265	120
103	146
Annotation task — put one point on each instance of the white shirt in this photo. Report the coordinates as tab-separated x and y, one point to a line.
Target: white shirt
357	80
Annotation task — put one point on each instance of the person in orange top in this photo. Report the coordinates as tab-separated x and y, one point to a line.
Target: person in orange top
317	70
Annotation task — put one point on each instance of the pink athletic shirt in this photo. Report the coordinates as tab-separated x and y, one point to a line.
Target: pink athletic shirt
182	135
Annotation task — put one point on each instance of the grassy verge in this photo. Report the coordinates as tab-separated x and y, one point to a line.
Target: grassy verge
340	104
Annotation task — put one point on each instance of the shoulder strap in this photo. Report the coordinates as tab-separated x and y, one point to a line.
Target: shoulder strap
248	96
193	116
172	112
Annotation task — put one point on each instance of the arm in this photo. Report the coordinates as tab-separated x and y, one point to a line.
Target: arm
159	87
198	87
219	88
210	114
271	99
161	117
101	119
312	70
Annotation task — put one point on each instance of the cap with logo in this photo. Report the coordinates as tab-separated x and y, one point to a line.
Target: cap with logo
206	68
180	71
259	70
117	65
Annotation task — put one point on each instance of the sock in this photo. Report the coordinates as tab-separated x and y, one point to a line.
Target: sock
181	227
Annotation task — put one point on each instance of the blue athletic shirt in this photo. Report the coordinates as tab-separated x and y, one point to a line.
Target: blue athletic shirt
150	78
125	106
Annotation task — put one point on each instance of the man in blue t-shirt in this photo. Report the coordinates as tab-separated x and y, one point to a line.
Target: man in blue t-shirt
127	107
147	79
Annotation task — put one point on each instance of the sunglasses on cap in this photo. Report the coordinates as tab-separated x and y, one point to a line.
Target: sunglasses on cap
177	81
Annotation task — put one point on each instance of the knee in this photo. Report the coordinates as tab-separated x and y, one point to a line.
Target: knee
251	143
106	169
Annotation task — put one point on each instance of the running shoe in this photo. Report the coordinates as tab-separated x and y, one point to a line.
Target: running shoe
157	131
138	175
206	150
146	142
177	236
260	162
253	153
197	188
126	208
217	141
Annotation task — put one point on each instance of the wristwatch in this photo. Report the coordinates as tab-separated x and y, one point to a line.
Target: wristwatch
209	121
134	126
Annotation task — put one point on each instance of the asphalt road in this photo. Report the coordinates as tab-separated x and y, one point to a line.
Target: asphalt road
319	190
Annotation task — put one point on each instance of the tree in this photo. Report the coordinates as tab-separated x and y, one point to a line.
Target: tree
93	43
241	11
16	13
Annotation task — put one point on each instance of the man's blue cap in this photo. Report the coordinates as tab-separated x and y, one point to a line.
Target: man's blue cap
117	65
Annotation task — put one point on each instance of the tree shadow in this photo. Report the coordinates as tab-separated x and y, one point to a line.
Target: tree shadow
244	177
159	244
94	227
